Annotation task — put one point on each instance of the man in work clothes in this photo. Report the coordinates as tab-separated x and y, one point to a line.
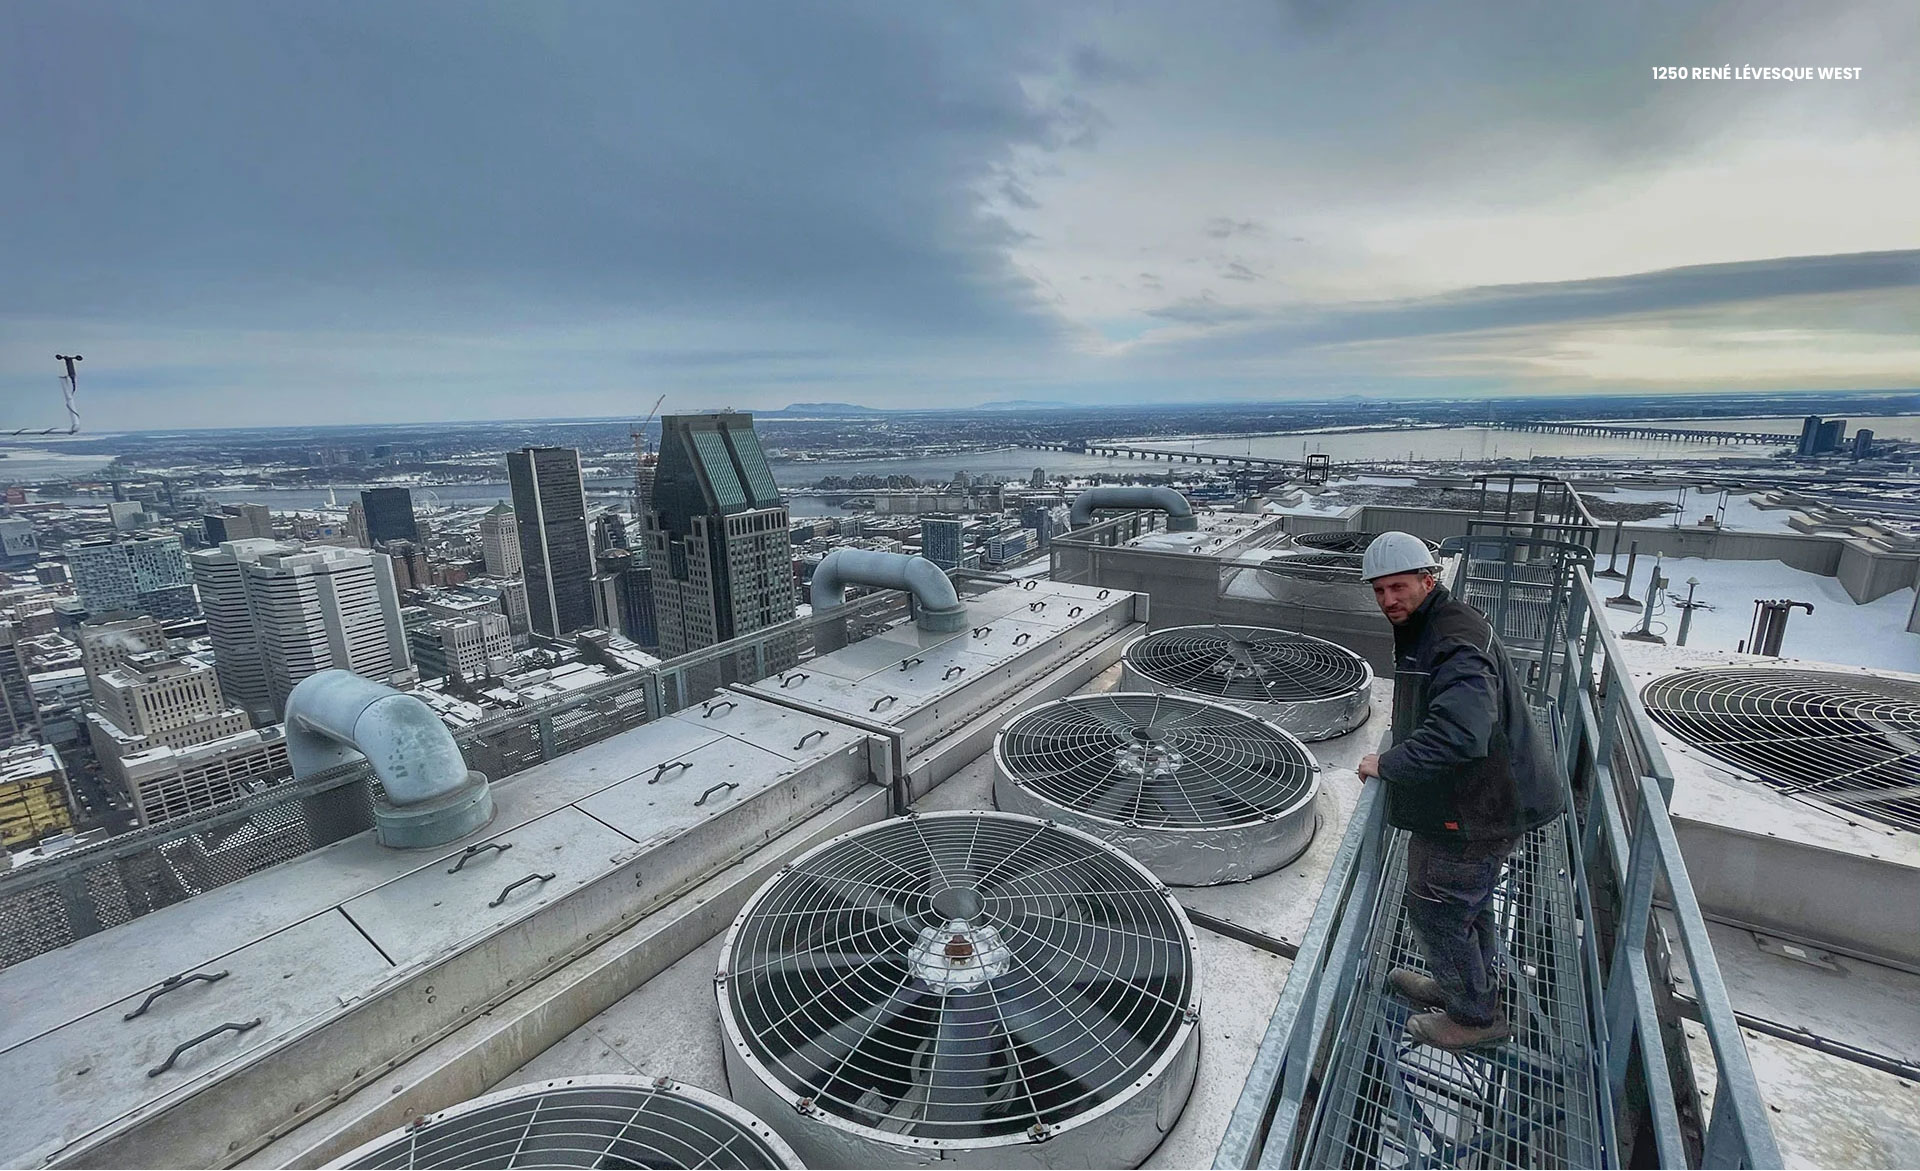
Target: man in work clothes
1468	776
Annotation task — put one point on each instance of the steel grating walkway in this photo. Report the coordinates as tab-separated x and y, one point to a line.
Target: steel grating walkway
1530	1102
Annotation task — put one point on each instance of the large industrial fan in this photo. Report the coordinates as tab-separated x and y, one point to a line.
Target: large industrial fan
584	1122
1311	687
1849	741
1199	792
1339	541
971	989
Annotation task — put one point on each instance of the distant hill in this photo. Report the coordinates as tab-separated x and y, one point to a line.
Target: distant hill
1024	404
825	409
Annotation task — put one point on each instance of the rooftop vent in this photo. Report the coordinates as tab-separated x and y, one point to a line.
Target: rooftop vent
958	988
1199	792
1311	687
584	1122
1849	741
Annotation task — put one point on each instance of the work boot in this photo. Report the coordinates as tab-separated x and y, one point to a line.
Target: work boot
1421	990
1443	1032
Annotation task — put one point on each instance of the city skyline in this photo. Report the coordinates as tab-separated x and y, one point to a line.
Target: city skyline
582	207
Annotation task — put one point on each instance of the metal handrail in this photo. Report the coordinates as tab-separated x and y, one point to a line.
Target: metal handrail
1624	847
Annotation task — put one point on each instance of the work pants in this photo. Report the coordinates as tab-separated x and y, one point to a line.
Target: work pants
1450	904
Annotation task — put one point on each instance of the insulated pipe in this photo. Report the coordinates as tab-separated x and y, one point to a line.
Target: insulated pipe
1180	518
335	717
938	607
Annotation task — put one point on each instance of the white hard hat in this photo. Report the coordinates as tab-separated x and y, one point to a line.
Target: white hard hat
1391	553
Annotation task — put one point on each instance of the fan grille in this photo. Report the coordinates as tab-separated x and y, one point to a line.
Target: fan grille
1851	741
585	1122
1248	663
1336	541
1138	759
1074	976
1331	565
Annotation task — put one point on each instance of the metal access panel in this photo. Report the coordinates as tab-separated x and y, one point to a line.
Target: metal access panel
487	885
106	1069
926	686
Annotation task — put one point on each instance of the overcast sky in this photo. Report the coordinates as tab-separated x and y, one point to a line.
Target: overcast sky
250	213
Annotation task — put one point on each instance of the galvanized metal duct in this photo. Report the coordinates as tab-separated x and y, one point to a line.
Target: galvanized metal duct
1180	518
937	605
336	717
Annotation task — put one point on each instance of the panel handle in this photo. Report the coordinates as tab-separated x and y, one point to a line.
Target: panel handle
728	785
168	985
952	671
471	852
1021	638
809	736
905	663
790	679
885	699
661	771
517	883
982	631
182	1047
1075	612
706	713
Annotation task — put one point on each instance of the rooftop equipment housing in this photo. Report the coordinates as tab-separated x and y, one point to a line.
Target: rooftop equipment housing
1198	792
1313	688
917	686
963	989
262	1000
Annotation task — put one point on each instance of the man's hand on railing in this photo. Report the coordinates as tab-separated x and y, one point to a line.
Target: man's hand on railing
1369	766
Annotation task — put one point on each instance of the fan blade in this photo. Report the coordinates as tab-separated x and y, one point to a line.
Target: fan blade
967	1046
1068	1032
822	1059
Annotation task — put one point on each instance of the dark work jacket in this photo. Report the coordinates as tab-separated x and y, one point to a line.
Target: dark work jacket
1468	762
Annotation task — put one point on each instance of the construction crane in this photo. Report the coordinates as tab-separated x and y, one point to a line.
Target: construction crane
643	464
69	382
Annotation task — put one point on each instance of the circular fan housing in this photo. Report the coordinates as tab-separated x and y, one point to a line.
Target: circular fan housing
1343	542
584	1122
1311	687
1200	792
971	989
1850	741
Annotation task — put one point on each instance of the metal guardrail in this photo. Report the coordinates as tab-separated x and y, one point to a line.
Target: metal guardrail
1621	847
50	903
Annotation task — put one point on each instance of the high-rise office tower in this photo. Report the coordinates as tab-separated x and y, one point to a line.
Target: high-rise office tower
629	609
110	640
722	560
941	540
278	612
18	719
556	553
147	575
499	542
389	514
236	522
357	525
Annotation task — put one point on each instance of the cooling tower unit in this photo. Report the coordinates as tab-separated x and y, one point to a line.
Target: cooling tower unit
1341	541
1311	687
584	1122
963	989
1198	792
1847	741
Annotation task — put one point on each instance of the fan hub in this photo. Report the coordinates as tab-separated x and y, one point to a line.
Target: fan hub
958	957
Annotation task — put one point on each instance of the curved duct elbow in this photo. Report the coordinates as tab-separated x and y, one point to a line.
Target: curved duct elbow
1180	518
335	717
938	606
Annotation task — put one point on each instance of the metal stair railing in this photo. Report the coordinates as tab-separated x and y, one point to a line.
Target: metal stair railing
1302	1103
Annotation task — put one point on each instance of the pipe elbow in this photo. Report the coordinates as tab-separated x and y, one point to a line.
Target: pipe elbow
1180	518
939	603
336	716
